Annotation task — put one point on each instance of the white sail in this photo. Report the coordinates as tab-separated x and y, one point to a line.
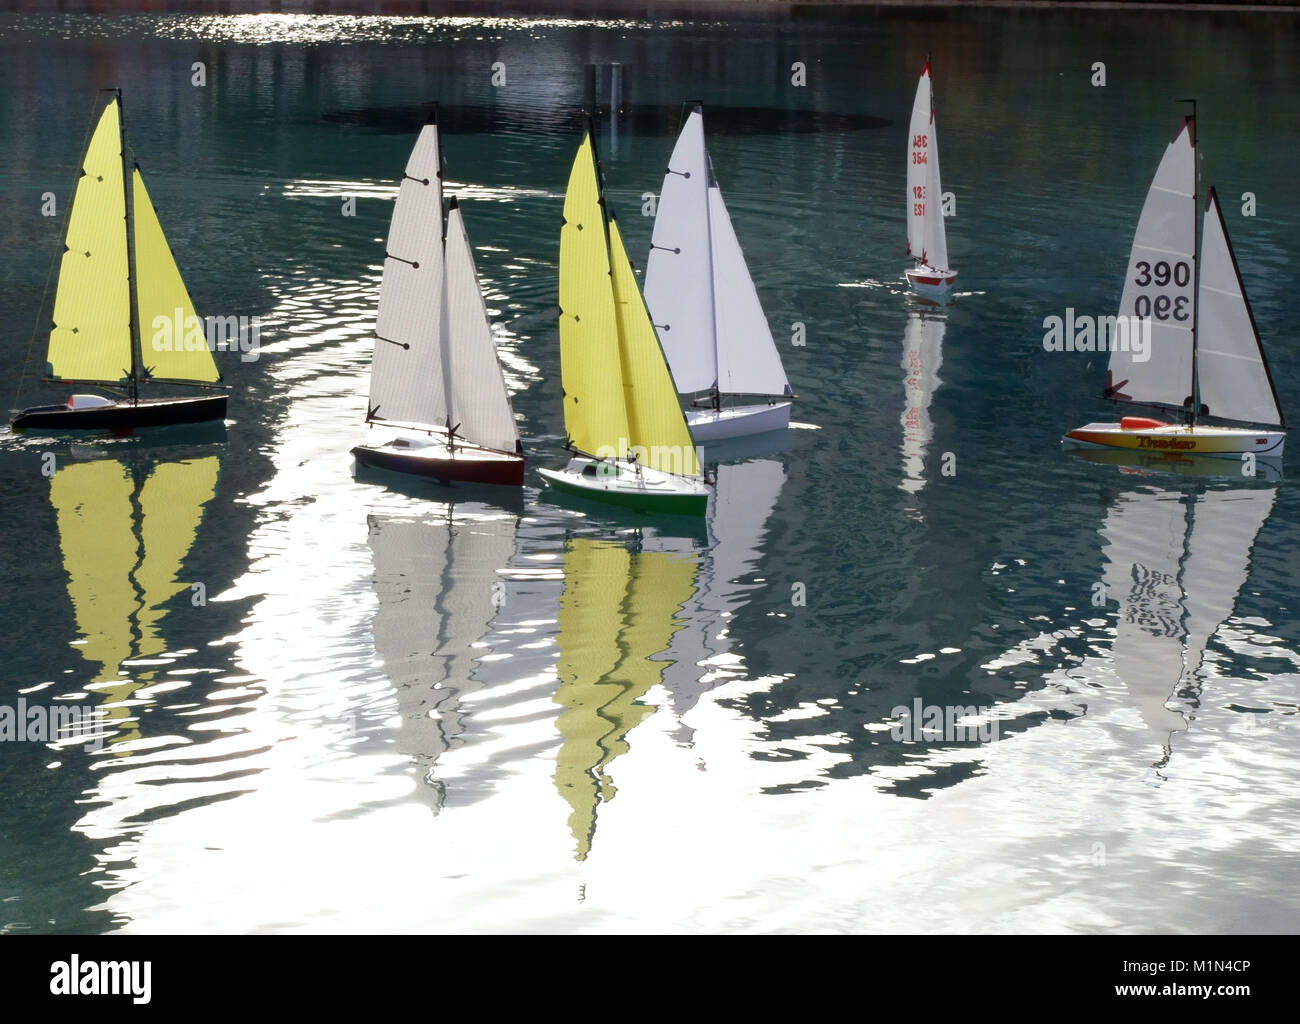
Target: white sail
748	362
478	401
1159	285
678	278
918	165
926	240
1230	366
406	377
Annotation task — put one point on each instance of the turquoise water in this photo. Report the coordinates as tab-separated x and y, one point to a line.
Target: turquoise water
388	708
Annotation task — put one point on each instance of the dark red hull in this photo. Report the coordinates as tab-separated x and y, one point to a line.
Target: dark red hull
466	466
122	416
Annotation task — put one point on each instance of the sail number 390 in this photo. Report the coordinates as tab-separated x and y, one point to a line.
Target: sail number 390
1162	307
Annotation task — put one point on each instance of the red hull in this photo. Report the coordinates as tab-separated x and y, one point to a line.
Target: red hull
465	466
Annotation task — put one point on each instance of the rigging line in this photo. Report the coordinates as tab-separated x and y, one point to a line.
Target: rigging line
58	256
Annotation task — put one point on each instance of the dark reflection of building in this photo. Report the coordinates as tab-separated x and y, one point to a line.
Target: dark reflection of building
619	610
438	588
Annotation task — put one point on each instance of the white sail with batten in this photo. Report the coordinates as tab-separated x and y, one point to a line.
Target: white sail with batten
679	276
1159	286
406	378
1230	365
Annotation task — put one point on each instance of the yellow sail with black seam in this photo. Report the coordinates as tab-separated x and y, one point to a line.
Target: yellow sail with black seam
618	610
618	393
91	336
173	340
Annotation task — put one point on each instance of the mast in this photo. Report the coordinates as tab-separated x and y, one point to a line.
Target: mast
444	333
128	210
1196	269
716	396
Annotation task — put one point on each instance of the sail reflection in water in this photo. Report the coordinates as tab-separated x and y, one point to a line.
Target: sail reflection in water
922	357
438	589
619	609
125	527
745	494
1175	563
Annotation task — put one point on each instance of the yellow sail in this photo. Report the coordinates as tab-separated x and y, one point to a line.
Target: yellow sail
173	341
594	414
91	337
123	544
617	611
654	417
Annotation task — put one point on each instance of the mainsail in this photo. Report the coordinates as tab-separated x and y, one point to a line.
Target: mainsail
1231	369
926	240
406	376
698	287
1159	286
618	393
91	337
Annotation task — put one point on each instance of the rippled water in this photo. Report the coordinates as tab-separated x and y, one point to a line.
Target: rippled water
400	710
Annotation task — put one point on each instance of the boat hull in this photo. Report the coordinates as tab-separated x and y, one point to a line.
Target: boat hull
648	490
436	461
930	283
736	421
1177	439
121	416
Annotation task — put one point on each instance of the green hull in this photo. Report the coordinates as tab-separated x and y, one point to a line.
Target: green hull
661	504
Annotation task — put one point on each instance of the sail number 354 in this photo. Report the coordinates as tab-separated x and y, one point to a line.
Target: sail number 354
1162	307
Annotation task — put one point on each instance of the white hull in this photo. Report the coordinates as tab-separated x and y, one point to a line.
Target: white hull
930	283
1177	439
736	421
635	487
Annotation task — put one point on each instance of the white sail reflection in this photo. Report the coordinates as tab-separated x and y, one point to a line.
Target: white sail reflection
1174	564
438	588
922	357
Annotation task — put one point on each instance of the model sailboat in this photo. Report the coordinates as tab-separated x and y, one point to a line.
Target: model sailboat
1201	356
927	244
118	277
704	304
620	407
435	368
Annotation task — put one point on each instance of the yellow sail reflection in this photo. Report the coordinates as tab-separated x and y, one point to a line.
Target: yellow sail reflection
619	609
125	529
